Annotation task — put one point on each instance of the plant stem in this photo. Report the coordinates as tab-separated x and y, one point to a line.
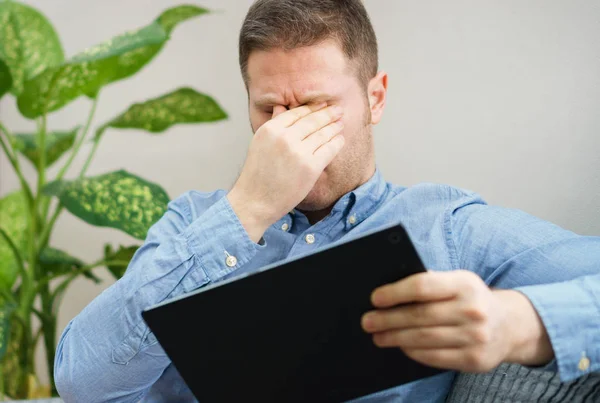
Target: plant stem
14	161
49	324
9	152
89	158
15	250
42	158
80	140
37	336
1	383
7	296
47	231
27	287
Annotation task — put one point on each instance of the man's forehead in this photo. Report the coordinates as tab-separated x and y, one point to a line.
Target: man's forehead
302	75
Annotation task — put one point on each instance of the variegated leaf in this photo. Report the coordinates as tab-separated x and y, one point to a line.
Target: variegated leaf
118	200
170	18
13	220
123	254
184	105
88	72
56	145
130	62
5	79
28	42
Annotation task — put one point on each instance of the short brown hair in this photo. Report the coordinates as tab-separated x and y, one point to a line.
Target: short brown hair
290	24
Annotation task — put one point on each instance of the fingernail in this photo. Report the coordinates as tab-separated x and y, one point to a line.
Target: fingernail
368	321
376	298
337	110
378	340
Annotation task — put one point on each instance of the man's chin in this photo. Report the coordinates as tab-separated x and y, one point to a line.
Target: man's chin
315	202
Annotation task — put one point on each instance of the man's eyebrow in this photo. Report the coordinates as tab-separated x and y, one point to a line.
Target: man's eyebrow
268	99
311	97
314	97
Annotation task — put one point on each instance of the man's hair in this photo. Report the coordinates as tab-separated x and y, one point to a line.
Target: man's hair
291	24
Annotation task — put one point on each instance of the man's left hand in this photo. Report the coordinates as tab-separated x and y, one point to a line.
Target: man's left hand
453	320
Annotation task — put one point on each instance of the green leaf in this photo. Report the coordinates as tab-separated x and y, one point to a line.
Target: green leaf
6	81
6	310
184	105
131	62
123	254
28	42
55	262
116	200
85	74
56	145
88	72
13	220
173	16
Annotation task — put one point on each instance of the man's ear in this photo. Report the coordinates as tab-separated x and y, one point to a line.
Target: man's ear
377	91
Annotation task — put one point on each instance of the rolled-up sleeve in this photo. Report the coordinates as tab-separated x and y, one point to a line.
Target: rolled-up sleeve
558	271
107	353
571	315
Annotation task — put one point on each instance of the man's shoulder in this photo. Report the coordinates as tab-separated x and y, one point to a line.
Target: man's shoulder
427	193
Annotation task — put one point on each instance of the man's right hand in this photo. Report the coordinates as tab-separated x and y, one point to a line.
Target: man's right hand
286	157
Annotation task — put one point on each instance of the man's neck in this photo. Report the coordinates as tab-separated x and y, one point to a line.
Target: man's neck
316	216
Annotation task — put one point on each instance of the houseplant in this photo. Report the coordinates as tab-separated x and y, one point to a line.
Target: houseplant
33	69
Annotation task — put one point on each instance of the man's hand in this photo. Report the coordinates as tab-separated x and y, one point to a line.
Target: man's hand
286	157
453	320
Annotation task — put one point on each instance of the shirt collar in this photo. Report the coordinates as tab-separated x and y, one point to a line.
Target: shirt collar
361	202
355	206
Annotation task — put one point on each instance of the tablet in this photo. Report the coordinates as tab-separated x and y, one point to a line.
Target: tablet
291	332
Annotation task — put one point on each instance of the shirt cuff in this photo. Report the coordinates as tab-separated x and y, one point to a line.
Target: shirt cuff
571	316
219	240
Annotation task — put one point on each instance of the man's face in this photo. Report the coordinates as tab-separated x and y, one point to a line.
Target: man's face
280	80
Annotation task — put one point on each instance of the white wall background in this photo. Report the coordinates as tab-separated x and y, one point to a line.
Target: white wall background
498	96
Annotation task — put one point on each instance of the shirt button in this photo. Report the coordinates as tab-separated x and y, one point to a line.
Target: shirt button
231	261
584	364
310	238
285	226
352	219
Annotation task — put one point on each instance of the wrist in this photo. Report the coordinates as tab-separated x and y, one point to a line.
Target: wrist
252	214
529	343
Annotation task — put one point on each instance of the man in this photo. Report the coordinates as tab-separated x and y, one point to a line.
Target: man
503	286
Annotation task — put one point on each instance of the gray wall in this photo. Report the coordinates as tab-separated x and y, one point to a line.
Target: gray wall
498	96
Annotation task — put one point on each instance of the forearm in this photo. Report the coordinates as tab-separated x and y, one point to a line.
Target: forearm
102	355
528	339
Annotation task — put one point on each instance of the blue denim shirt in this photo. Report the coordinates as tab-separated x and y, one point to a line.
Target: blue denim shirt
107	353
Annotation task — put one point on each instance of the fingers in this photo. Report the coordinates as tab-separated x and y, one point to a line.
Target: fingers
429	286
444	313
466	359
322	136
288	118
328	151
309	124
424	338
